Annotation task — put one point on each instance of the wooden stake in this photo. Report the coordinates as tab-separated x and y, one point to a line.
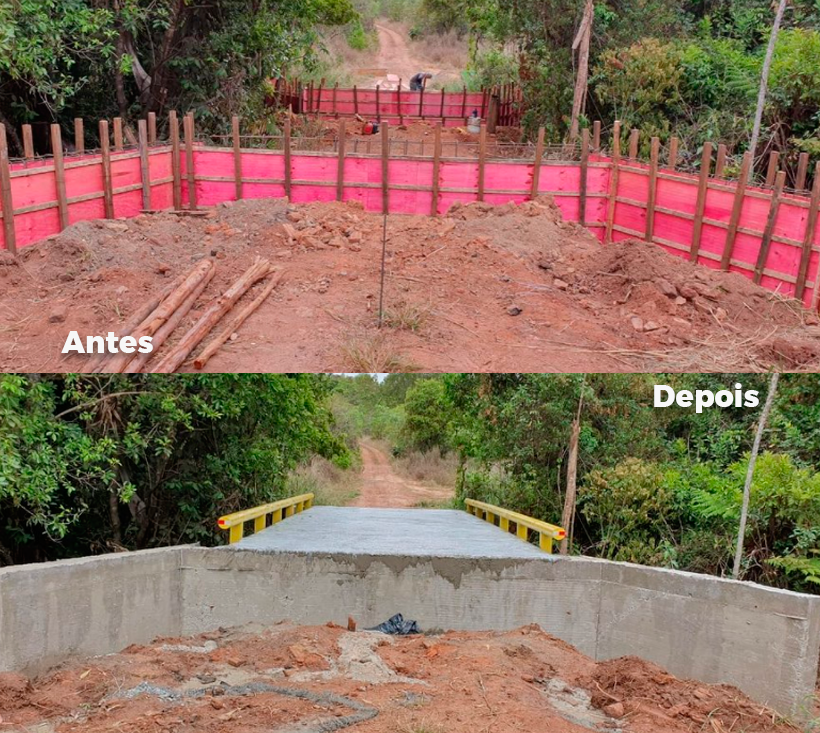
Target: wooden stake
152	128
766	242
398	98
117	134
673	153
536	164
582	204
634	138
6	203
28	143
173	130
79	135
808	241
436	169
802	172
385	169
441	111
355	101
335	91
421	99
59	174
464	103
613	181
700	203
237	158
737	209
288	173
145	169
105	154
596	135
188	125
340	171
720	163
378	105
482	159
774	160
319	97
653	187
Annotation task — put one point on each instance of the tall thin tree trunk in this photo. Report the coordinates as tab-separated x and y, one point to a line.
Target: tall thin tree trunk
744	512
568	515
581	44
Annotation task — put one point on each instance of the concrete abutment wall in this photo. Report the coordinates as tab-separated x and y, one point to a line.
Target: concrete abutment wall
764	641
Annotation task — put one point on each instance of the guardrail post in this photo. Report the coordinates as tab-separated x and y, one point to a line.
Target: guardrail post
521	531
545	542
236	533
260	523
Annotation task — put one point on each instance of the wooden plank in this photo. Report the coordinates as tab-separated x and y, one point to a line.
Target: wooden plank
596	135
385	168
105	161
152	128
79	135
482	159
653	188
117	134
28	143
288	171
802	172
771	172
355	100
673	153
173	131
59	174
436	170
6	202
536	164
766	243
613	181
188	125
340	170
582	203
237	157
737	209
634	139
145	170
808	240
700	202
720	163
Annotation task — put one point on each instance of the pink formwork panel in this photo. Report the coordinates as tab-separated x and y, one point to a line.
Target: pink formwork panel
679	195
630	217
633	186
34	188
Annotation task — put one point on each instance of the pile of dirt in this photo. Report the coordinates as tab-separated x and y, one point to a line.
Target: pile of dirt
326	678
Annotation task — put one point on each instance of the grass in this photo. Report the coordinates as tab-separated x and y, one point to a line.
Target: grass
428	467
406	317
332	485
371	352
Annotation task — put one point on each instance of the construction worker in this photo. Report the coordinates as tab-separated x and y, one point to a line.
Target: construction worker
419	81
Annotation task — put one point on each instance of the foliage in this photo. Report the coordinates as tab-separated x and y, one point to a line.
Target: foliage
426	415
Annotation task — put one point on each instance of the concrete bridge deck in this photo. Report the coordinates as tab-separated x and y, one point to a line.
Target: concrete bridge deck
402	532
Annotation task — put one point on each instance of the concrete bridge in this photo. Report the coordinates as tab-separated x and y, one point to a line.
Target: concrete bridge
444	568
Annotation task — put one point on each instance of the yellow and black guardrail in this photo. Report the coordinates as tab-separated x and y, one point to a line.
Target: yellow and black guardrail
523	524
277	510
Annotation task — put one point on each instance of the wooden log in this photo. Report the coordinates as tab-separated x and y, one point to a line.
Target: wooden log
737	209
288	172
802	172
319	97
653	189
634	139
137	364
335	91
154	321
720	163
79	135
441	110
237	158
766	242
105	161
484	95
340	166
808	241
421	98
145	170
700	202
216	343
436	183
188	125
152	128
6	202
59	174
385	169
398	97
212	315
771	172
613	181
492	114
176	162
118	134
535	178
582	199
482	159
355	101
28	143
673	153
596	135
378	105
464	102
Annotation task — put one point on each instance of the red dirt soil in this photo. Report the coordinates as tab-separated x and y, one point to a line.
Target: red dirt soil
454	682
504	288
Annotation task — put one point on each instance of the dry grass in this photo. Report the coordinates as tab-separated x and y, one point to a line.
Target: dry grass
406	317
372	352
332	485
429	467
443	50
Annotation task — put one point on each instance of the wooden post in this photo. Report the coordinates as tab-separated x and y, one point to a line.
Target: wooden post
237	158
117	134
634	138
319	97
378	105
596	135
79	135
59	174
355	101
653	187
173	131
808	240
482	159
492	113
737	209
613	181
802	172
6	203
421	99
152	128
484	93
700	203
436	169
105	153
28	143
536	164
385	168
310	97
188	125
766	242
340	170
720	163
335	90
673	153
398	103
582	204
464	102
145	169
441	111
771	172
288	174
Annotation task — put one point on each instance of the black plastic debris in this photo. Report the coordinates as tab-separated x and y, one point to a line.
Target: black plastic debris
397	626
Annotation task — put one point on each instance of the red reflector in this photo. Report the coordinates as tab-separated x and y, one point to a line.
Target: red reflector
221	523
561	535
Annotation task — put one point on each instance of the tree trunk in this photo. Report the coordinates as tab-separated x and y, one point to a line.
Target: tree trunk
744	512
581	44
568	515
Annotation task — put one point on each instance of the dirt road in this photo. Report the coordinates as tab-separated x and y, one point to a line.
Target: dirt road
402	59
382	487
